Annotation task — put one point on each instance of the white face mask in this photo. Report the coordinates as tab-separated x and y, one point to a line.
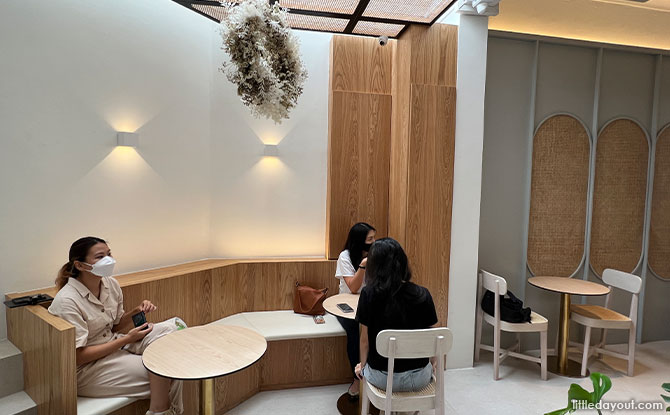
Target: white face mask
104	267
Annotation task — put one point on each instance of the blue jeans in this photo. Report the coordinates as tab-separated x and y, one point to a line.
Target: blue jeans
410	380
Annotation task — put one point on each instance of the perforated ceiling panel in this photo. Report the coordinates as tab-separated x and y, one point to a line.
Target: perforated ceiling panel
378	29
321	24
332	6
360	17
424	11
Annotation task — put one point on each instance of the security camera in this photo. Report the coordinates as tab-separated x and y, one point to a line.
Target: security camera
383	40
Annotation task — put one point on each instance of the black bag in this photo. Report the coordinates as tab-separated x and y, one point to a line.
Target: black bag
511	309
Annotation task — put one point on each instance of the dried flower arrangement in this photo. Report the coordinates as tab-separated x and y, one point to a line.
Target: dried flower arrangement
264	58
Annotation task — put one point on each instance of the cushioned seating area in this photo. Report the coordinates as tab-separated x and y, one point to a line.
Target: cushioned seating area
101	406
285	325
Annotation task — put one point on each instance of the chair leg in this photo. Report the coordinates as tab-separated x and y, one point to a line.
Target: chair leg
478	334
603	339
543	354
631	351
365	402
585	358
496	352
518	342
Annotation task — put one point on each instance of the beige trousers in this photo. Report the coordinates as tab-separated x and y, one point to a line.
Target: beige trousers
122	373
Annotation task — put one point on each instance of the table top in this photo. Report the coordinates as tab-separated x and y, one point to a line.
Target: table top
569	285
330	305
204	352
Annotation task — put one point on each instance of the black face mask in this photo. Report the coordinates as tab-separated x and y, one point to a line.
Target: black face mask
366	247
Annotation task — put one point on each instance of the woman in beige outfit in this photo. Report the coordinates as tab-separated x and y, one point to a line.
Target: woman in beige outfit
109	363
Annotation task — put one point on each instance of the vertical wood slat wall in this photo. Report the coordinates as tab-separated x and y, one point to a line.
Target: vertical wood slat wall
359	137
391	146
422	154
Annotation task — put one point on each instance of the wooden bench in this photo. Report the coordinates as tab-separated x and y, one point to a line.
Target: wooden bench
200	292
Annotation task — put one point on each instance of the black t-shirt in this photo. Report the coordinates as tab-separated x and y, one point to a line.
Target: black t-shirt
411	308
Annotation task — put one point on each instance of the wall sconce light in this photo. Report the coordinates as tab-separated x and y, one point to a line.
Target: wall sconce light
271	150
127	139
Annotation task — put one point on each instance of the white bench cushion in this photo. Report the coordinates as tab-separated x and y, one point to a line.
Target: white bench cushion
285	325
101	406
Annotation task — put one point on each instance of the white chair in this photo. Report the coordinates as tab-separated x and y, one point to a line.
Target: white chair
498	285
595	316
410	344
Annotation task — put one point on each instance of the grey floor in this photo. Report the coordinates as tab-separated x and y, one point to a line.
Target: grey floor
520	390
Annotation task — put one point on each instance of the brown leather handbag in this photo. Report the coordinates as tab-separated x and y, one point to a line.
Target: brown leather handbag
308	300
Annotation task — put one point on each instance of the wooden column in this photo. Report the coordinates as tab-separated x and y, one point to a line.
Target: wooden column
359	137
422	153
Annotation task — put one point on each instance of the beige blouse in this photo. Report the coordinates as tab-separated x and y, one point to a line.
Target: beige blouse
91	317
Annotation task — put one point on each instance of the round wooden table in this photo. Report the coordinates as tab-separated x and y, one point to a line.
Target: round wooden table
560	364
204	353
330	305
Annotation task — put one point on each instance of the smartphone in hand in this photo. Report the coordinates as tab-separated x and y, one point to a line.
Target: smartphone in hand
139	319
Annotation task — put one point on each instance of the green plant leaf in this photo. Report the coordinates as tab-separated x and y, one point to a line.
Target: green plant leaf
601	384
666	386
665	398
577	393
561	411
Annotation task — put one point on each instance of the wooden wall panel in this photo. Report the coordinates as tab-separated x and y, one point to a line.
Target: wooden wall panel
358	166
320	361
266	285
233	389
659	236
619	197
422	154
49	366
430	181
434	54
174	297
359	136
360	64
558	200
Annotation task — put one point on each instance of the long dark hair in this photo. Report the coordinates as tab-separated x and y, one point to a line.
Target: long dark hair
78	251
356	242
387	268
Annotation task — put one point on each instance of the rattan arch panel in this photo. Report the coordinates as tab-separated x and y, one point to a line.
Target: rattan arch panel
659	236
620	189
558	198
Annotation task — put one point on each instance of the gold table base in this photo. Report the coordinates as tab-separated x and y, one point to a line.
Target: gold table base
574	369
207	397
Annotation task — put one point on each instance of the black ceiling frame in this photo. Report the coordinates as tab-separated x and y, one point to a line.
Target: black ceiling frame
353	19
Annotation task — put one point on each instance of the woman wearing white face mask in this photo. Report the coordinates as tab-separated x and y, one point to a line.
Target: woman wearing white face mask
109	363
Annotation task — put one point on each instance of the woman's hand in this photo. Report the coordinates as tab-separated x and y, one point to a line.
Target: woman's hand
138	333
358	370
146	306
364	263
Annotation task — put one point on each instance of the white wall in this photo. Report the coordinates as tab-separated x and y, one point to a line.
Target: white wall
72	73
75	72
472	44
264	207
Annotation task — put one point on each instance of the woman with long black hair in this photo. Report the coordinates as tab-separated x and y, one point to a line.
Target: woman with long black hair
351	273
390	301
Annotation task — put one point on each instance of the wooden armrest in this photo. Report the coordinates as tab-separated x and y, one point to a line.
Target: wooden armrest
49	361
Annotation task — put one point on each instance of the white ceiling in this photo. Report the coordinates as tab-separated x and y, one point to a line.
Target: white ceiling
624	22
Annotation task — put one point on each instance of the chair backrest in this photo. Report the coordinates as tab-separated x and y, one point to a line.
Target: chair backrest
493	282
408	344
413	344
622	280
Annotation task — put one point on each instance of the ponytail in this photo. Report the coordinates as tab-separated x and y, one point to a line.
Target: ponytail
78	252
66	271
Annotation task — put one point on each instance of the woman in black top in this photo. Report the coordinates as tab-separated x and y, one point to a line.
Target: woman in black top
391	301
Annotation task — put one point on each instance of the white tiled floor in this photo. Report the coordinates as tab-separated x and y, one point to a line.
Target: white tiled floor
473	391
